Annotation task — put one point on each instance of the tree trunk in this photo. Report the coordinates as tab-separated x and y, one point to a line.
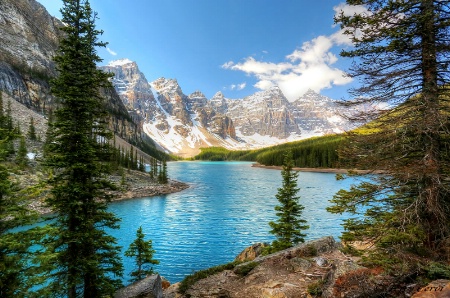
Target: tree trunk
431	170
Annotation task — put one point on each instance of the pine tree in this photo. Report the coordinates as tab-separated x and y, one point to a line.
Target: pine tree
32	130
152	168
143	253
86	262
2	112
131	161
402	53
21	157
141	164
18	130
15	265
49	133
289	225
136	165
162	176
9	118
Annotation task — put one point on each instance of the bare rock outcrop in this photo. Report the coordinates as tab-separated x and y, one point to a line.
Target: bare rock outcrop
252	252
284	274
149	287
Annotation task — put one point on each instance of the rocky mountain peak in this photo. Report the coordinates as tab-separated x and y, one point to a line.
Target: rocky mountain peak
164	85
218	95
312	96
182	124
197	94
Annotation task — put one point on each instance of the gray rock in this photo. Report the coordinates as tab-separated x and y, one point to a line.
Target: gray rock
322	262
149	287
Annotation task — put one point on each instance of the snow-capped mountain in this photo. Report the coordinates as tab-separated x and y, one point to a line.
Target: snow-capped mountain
184	123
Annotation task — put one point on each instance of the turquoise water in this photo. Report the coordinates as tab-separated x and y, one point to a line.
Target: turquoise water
226	209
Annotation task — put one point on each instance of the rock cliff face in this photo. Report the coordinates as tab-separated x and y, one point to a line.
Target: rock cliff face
265	113
29	39
28	35
182	124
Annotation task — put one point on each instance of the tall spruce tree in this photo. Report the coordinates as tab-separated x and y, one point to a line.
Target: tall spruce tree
32	130
142	251
87	262
401	49
21	156
49	133
162	176
289	225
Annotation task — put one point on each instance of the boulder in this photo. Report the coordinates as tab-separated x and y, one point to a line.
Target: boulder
149	287
250	253
172	291
349	280
165	283
436	289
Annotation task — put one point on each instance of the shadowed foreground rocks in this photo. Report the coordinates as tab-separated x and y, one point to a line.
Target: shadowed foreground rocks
316	268
149	287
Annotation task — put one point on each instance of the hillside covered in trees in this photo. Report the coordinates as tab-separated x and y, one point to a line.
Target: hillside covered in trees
319	152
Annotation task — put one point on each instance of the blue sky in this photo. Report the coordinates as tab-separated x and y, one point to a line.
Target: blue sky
234	46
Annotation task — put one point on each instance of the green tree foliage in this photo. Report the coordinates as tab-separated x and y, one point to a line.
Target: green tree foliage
142	251
15	269
32	130
289	225
162	176
21	156
49	133
318	152
402	52
86	260
9	118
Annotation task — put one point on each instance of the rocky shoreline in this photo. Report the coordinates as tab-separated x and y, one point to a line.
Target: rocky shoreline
319	170
135	185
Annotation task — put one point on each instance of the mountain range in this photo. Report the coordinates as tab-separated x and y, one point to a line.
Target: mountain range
159	110
182	124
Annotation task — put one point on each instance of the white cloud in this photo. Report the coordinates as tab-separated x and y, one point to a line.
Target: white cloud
228	65
309	67
241	86
111	52
349	10
237	87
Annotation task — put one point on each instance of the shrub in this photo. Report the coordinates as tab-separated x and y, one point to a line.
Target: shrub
245	269
316	288
191	279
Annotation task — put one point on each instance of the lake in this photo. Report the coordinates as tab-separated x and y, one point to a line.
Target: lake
226	209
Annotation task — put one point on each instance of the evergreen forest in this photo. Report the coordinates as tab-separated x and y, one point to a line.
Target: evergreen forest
318	152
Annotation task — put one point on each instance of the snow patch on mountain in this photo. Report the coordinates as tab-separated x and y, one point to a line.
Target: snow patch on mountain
120	62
